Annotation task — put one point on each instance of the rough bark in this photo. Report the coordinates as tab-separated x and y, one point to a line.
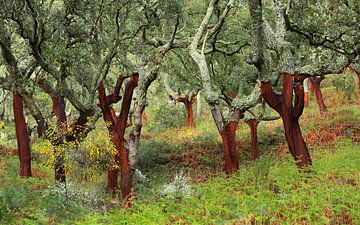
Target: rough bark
116	126
135	134
22	136
315	84
198	105
290	112
226	128
253	124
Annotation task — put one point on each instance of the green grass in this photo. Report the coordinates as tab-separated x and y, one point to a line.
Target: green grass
330	193
269	191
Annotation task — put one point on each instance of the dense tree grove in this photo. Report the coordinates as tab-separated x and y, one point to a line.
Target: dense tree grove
67	63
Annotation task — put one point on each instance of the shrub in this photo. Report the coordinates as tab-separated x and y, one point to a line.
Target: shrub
166	115
345	83
71	194
178	188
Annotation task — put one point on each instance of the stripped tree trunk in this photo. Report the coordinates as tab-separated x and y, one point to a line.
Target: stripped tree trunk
22	136
229	147
58	107
188	101
116	126
315	84
253	124
226	128
306	99
306	93
189	114
290	113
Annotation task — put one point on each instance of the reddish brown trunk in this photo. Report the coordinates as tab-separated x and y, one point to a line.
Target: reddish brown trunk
22	137
315	83
290	112
116	127
306	99
229	147
253	124
58	107
189	114
113	171
188	101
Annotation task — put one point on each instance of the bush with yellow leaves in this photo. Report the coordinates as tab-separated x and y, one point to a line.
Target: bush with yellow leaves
84	160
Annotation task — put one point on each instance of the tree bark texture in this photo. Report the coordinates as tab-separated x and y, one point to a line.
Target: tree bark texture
58	107
315	84
290	111
253	124
188	101
116	126
229	147
22	136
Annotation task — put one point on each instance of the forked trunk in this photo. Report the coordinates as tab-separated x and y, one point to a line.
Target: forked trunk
116	126
229	147
22	137
290	112
315	83
253	124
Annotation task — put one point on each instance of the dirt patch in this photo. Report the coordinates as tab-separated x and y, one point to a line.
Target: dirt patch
330	133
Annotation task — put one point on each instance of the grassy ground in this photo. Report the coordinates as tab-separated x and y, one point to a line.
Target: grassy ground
269	191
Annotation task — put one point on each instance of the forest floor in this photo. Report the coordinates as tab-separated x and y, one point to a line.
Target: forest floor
268	191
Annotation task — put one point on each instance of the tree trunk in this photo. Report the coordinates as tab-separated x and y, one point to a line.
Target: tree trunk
116	127
58	107
306	93
198	105
229	147
315	83
290	112
22	137
306	99
253	124
189	113
121	160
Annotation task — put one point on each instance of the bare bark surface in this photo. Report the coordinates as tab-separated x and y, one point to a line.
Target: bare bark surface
315	84
290	111
253	124
22	137
116	126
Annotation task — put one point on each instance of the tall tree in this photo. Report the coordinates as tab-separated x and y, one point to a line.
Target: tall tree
290	109
116	126
226	127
